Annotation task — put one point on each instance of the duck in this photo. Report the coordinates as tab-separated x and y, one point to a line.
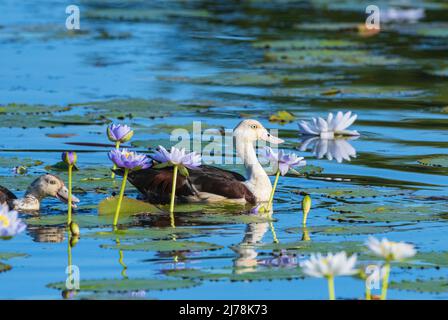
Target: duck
47	185
209	184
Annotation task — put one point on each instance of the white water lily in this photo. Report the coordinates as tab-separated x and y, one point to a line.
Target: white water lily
331	265
389	250
338	149
333	126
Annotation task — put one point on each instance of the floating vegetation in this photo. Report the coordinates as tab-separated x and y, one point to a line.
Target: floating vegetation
351	193
342	230
238	274
122	285
84	221
4	267
383	213
437	161
152	233
128	207
433	285
165	246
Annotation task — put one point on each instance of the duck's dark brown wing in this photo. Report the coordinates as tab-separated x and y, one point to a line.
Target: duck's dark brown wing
6	195
156	184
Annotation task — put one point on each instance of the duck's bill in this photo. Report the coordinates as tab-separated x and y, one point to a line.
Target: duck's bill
271	139
62	195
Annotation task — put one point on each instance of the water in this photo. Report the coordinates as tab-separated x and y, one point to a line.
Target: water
214	61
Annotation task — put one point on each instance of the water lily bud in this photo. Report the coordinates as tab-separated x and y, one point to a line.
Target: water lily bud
119	133
69	157
20	170
74	229
306	206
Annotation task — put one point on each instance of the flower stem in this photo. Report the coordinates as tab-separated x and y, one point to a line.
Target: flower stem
331	288
385	281
274	234
117	146
271	198
120	197
173	190
69	214
368	293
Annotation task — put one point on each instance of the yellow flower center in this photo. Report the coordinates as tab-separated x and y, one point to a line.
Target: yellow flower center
5	221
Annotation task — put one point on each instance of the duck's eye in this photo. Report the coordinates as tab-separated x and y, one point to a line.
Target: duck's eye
52	182
253	126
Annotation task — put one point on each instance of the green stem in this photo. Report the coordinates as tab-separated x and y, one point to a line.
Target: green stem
274	234
173	189
172	221
368	293
120	197
271	198
69	254
331	288
117	146
69	214
385	281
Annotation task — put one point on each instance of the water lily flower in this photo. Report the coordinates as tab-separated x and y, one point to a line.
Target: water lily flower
70	158
178	159
128	161
119	133
10	224
333	126
330	266
389	251
284	163
339	149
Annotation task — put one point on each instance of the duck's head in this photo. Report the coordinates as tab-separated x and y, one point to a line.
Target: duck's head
50	185
251	130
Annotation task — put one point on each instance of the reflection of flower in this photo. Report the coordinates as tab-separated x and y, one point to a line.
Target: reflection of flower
10	224
330	265
284	161
129	160
331	127
402	15
339	149
119	133
389	250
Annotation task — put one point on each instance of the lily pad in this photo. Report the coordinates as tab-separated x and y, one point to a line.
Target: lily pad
385	213
238	274
433	285
341	230
11	255
438	161
128	207
282	117
359	192
120	285
165	246
84	221
152	233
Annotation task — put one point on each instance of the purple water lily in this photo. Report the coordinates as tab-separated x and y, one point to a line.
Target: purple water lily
69	157
177	156
284	161
123	158
10	224
119	133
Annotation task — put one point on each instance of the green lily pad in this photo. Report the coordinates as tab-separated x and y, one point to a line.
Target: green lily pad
309	169
120	285
165	246
341	230
152	233
218	218
305	44
433	285
84	221
438	161
307	247
128	207
385	213
11	255
426	260
4	267
238	274
350	193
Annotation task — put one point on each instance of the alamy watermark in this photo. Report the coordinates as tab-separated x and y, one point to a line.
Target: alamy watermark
73	21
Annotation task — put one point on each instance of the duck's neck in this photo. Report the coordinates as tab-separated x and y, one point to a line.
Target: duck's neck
30	202
257	179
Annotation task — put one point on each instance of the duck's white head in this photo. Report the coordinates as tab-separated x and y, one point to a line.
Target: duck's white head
249	131
50	185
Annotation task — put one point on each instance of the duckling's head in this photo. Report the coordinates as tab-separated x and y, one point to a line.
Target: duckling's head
50	185
252	130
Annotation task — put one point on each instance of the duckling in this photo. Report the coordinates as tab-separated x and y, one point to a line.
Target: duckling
47	185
